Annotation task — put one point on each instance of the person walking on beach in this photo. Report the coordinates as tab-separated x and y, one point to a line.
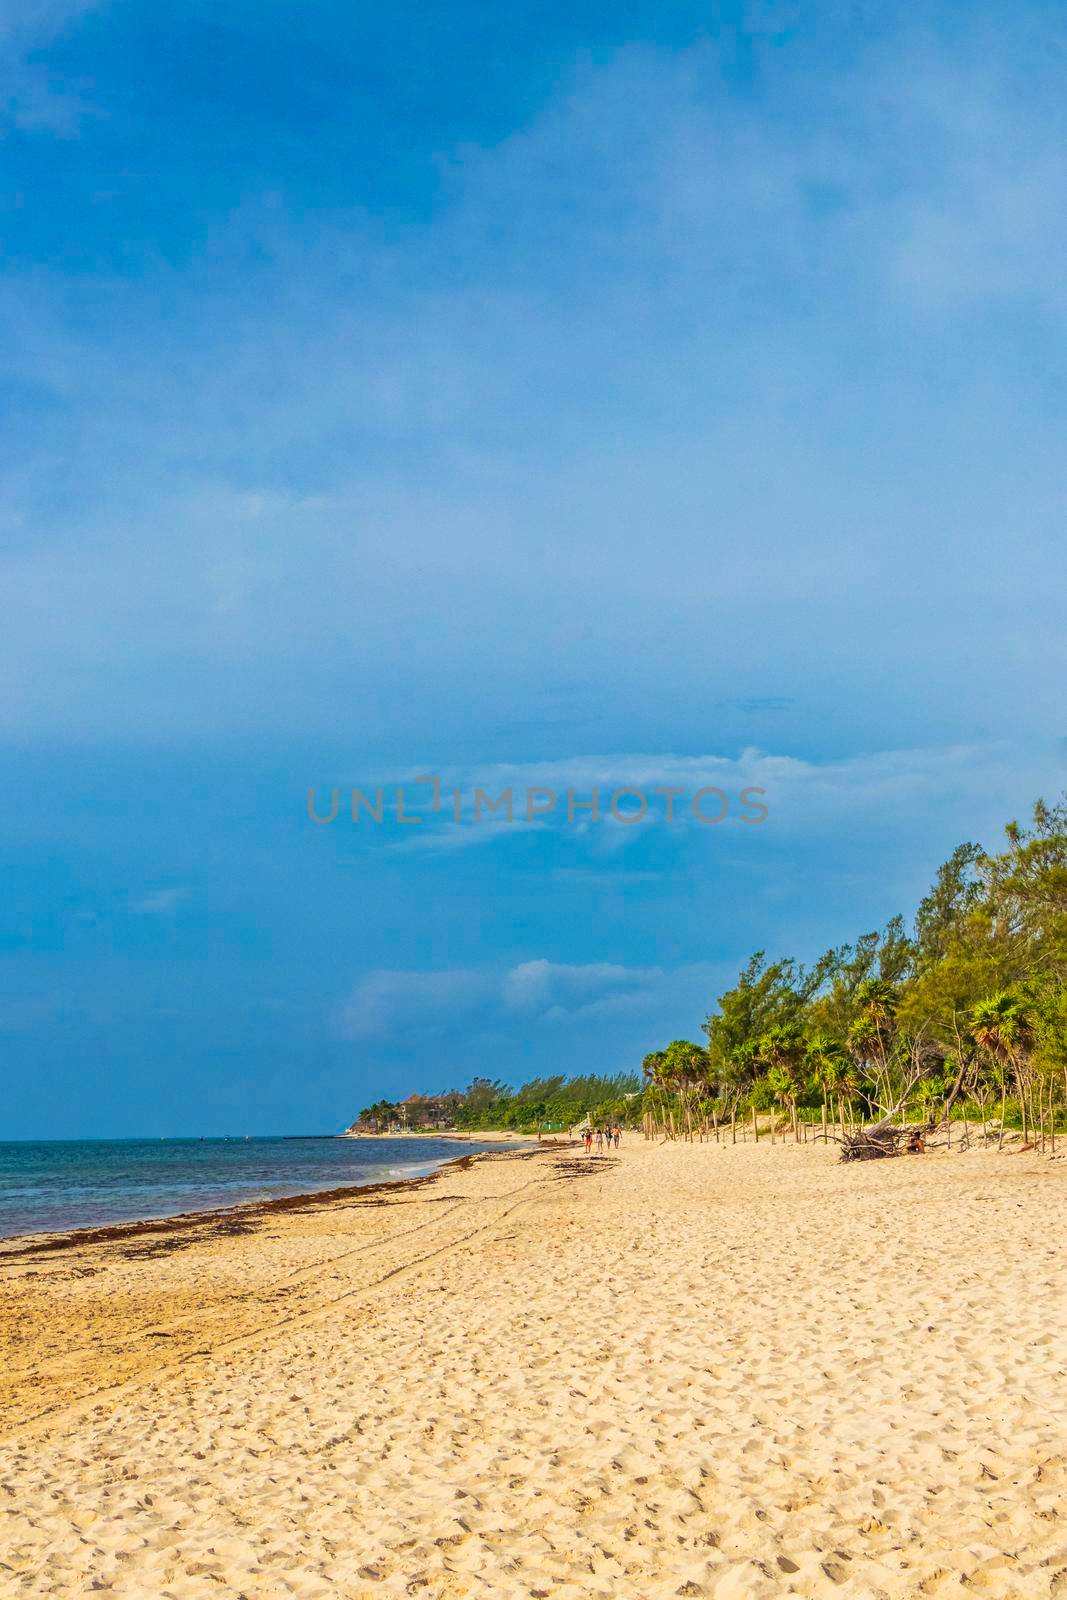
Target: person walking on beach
587	1135
616	1134
599	1140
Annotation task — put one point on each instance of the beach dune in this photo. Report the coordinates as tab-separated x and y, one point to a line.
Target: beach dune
674	1370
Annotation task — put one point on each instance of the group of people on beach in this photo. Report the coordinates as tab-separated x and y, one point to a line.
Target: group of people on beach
602	1136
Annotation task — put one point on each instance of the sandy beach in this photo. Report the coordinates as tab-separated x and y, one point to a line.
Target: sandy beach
677	1370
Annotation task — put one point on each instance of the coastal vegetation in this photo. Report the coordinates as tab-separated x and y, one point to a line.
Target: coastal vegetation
542	1105
954	1027
958	1025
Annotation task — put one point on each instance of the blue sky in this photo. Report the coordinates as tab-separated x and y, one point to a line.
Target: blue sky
533	395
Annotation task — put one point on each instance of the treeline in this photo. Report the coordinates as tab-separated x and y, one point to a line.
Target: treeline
543	1104
548	1102
961	1017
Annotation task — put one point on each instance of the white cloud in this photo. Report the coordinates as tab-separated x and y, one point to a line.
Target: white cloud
977	781
446	836
988	223
396	1003
160	902
559	992
386	1002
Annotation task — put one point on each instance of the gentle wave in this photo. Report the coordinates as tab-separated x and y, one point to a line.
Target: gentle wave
54	1186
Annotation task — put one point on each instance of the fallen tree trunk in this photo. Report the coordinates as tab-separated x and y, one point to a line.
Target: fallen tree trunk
871	1144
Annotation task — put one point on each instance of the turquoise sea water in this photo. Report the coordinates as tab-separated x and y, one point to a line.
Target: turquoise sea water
60	1184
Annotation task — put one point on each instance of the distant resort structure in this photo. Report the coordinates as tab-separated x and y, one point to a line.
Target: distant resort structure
417	1111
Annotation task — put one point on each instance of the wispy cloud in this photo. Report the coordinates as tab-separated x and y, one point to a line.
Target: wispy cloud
384	1001
676	363
802	796
160	902
556	992
393	1003
31	96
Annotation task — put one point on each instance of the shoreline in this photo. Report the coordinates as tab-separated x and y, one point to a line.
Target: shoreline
483	1136
84	1318
236	1215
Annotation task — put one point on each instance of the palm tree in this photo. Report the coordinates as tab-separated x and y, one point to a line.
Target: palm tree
1002	1025
826	1061
782	1049
657	1070
739	1074
866	1048
689	1067
878	999
848	1087
872	1034
652	1066
987	1075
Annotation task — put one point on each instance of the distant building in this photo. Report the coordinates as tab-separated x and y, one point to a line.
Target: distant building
427	1111
417	1111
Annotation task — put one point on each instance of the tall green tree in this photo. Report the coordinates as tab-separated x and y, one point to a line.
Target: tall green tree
1003	1026
782	1050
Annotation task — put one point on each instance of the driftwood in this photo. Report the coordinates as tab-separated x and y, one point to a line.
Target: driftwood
886	1137
871	1144
875	1144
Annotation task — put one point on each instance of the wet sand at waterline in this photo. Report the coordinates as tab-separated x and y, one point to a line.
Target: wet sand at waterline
681	1369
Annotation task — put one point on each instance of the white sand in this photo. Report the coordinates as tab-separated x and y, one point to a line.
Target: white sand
702	1370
